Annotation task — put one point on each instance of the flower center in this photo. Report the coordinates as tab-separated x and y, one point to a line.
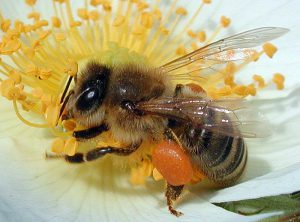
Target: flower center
38	58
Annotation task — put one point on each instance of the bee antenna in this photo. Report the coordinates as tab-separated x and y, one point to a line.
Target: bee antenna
65	101
66	89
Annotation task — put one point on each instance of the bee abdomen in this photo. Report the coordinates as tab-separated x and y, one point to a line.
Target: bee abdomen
224	160
221	158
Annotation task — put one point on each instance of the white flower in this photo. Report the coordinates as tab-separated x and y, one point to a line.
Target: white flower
33	189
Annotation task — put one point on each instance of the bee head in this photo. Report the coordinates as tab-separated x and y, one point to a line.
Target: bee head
85	104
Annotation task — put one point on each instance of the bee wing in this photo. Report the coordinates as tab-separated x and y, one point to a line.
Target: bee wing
229	117
236	47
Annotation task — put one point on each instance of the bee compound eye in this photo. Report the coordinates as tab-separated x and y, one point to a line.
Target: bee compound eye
89	99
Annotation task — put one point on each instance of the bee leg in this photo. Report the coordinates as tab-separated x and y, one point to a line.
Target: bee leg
172	194
178	90
90	133
100	152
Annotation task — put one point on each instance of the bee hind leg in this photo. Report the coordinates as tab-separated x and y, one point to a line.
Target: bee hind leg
172	194
100	152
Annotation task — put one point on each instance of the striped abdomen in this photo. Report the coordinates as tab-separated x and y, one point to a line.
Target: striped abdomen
221	158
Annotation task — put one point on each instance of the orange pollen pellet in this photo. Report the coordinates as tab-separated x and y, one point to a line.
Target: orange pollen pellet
206	1
269	49
201	36
58	146
278	79
260	80
172	163
225	21
70	146
181	11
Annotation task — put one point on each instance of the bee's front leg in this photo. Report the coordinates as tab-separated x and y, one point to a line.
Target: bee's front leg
100	152
172	194
90	133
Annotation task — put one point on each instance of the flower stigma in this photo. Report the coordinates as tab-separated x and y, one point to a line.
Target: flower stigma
37	59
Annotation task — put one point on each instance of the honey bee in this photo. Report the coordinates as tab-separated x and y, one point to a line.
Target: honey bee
136	103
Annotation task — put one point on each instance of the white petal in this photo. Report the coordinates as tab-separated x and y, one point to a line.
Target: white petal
35	189
282	181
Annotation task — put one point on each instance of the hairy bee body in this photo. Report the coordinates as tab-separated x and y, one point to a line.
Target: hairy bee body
137	103
221	158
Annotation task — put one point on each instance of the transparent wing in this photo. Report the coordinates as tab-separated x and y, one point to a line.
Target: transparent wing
236	47
230	117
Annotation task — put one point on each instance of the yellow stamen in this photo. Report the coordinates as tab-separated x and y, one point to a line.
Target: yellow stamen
71	146
5	25
69	125
156	175
278	79
225	21
269	49
30	2
26	121
51	114
202	36
37	60
140	173
58	146
260	80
